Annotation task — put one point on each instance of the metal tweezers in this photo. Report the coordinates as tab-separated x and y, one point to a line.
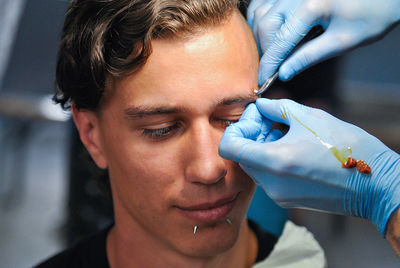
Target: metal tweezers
267	84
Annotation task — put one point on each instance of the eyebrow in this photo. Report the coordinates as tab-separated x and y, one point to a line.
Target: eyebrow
236	99
139	112
144	111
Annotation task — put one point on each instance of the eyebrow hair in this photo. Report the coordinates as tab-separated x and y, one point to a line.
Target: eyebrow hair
236	99
138	112
143	111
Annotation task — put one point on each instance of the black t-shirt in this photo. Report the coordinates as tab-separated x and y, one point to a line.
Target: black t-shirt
91	251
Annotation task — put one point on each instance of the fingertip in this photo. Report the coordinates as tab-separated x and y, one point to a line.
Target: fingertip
319	49
223	146
294	65
285	73
264	105
267	108
231	148
262	102
230	143
249	108
274	110
250	113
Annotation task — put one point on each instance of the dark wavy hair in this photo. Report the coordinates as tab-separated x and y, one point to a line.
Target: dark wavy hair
105	39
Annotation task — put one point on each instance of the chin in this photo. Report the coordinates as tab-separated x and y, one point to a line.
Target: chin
211	240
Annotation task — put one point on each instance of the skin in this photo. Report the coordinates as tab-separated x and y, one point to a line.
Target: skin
200	84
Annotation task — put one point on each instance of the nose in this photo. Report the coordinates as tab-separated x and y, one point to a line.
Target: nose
203	163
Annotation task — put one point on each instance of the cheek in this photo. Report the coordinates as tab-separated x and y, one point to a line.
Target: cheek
245	184
142	172
240	176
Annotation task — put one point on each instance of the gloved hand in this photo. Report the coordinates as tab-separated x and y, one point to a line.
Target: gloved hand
304	167
280	25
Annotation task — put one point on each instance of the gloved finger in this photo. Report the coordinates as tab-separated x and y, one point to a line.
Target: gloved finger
284	40
273	135
255	7
251	127
251	122
265	156
262	29
265	131
274	110
284	111
328	45
266	25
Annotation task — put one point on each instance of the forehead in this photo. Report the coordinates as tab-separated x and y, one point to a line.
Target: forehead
217	63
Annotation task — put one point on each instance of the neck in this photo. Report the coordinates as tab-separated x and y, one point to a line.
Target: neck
132	247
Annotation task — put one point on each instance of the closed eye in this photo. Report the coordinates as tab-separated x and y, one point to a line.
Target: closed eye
161	133
224	123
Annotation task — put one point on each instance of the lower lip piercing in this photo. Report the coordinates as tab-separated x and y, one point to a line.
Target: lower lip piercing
196	227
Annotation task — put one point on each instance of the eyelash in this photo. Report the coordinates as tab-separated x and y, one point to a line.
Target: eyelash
162	133
225	123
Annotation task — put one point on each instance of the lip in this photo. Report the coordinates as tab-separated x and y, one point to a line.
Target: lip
209	211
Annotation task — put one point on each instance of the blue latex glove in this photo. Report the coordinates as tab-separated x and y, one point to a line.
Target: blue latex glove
300	169
280	25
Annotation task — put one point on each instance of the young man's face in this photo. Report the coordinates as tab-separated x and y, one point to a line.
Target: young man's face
158	133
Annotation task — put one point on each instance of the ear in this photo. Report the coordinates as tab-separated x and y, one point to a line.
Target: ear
87	124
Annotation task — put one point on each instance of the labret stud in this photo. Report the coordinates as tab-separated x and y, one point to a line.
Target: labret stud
196	227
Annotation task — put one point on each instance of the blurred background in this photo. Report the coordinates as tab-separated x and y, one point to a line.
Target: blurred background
48	196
